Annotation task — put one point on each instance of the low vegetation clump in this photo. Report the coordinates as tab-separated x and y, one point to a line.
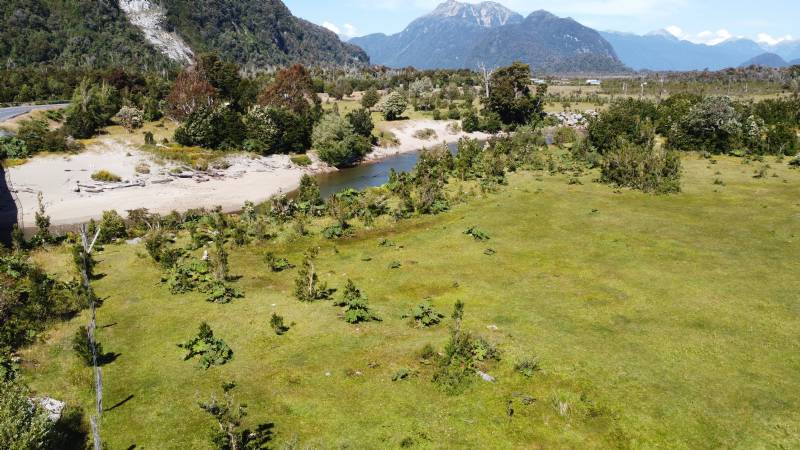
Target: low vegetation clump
642	167
528	367
210	350
277	324
307	287
424	315
355	304
301	160
477	234
425	134
229	415
277	264
106	176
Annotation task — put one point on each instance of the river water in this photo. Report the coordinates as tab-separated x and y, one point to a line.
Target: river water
369	175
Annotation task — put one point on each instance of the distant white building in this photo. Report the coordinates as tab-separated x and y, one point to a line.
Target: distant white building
538	81
593	82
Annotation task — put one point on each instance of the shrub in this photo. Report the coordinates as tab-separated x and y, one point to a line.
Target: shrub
308	288
276	264
301	160
477	234
33	132
712	125
130	118
91	108
11	147
453	113
337	143
356	309
565	135
629	118
528	367
394	105
106	176
276	322
470	122
424	315
642	167
213	128
437	115
112	227
23	424
425	134
211	350
510	96
370	98
361	121
83	348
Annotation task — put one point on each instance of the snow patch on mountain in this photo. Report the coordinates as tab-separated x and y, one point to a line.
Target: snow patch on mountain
150	18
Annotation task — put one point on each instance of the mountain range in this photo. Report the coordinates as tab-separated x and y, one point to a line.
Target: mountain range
461	35
162	33
660	50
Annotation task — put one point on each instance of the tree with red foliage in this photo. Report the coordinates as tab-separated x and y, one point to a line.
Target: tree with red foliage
293	89
190	92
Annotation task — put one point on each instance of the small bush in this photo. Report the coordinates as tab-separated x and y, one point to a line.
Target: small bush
143	168
277	264
106	176
356	309
477	234
276	322
83	348
211	350
425	134
642	167
301	160
528	367
424	315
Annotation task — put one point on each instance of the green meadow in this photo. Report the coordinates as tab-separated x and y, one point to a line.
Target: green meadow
659	322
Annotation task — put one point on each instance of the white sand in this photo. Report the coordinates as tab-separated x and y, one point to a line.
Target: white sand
57	177
247	179
405	130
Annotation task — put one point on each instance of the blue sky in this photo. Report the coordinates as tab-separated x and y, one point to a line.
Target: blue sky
707	21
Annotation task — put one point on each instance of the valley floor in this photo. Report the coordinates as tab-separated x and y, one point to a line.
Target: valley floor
659	321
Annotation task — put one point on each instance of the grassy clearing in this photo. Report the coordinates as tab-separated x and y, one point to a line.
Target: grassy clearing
659	321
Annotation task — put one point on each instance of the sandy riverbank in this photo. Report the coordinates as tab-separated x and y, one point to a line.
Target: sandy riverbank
71	196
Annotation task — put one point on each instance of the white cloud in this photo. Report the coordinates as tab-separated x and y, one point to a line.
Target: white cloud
331	27
704	37
764	38
346	31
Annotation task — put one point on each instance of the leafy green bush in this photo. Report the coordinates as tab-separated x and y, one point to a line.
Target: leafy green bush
393	106
301	160
23	424
112	226
91	109
565	135
470	122
528	367
212	127
276	322
106	176
356	309
13	148
361	121
211	350
713	125
424	315
631	119
477	234
337	143
277	264
642	167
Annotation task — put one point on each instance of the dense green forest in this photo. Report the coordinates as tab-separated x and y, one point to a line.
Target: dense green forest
72	33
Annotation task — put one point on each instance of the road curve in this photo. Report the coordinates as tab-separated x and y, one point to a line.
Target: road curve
14	111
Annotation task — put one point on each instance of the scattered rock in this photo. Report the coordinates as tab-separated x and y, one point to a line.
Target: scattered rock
53	407
486	377
134	241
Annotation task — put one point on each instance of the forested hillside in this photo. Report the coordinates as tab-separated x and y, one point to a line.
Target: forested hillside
97	33
72	33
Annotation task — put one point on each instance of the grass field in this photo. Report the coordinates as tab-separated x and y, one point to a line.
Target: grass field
660	322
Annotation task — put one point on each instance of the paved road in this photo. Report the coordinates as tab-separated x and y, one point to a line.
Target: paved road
14	111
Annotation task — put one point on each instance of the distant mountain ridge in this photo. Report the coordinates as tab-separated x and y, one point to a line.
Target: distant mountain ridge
766	60
461	35
660	50
162	33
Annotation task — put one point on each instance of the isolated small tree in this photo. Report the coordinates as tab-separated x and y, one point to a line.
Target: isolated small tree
394	106
309	191
276	322
337	142
221	269
361	120
42	220
370	98
130	118
356	308
308	288
229	415
510	96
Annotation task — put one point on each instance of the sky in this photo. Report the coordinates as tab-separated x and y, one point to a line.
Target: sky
702	21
